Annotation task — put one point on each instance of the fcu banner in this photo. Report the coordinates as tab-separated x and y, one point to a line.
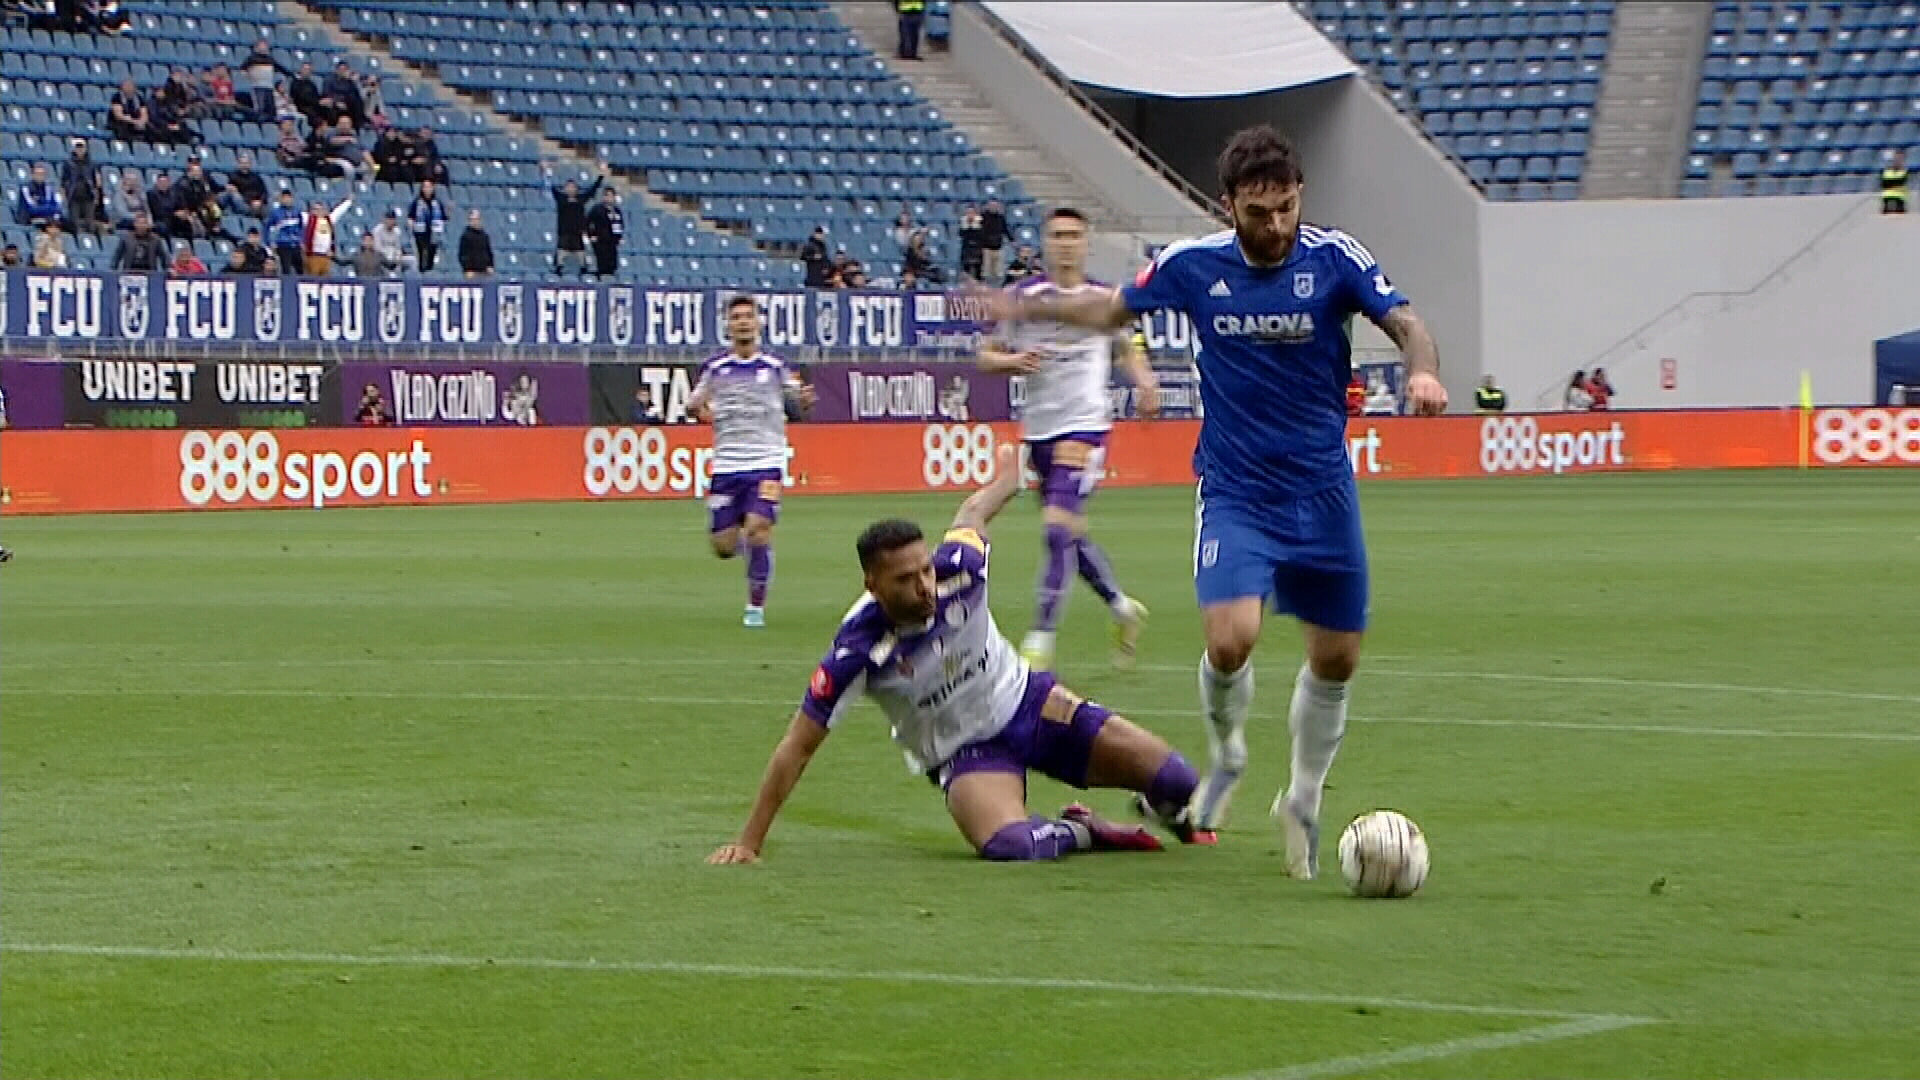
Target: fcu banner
66	305
50	472
80	306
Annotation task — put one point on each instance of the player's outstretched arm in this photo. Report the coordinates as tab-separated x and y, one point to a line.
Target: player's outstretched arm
1089	309
1409	331
982	505
997	359
789	760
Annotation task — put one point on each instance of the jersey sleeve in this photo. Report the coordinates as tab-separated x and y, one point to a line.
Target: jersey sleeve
839	680
1160	285
962	550
1368	288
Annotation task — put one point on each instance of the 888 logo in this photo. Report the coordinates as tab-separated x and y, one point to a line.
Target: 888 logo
956	455
1867	436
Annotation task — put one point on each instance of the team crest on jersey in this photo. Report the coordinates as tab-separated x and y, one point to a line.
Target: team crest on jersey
393	311
133	305
826	319
1303	285
266	309
511	310
620	315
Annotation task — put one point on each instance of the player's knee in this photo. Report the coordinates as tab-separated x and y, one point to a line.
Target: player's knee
1229	652
1060	516
1058	537
1336	660
760	535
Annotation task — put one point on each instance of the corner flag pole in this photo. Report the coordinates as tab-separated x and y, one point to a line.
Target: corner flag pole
1806	416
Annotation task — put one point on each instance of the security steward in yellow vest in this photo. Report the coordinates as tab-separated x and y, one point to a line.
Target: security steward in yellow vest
1893	185
1488	397
912	14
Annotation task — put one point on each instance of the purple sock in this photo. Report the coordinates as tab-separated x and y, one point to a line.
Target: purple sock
759	573
1173	786
1053	576
1034	838
1096	570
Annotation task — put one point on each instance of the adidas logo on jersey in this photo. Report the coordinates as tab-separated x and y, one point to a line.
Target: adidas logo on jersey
1220	288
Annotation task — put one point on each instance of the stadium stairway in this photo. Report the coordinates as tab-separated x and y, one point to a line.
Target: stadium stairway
937	79
1645	113
327	24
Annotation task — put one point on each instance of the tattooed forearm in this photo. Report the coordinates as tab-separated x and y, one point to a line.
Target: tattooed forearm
1409	331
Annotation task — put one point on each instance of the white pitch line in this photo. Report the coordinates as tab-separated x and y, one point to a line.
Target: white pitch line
758	971
1609	680
1413	1055
794	703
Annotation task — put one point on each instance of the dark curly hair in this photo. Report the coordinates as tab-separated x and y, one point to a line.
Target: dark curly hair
1256	157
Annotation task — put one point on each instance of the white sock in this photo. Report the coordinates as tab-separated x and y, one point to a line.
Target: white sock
1318	720
1225	700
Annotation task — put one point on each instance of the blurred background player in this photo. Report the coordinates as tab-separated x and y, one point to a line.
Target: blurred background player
964	706
1278	513
1066	418
743	393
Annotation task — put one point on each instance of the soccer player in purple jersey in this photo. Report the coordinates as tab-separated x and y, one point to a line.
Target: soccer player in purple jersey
743	393
1067	415
1278	517
964	706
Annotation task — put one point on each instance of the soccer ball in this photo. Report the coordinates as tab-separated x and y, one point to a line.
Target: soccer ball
1383	854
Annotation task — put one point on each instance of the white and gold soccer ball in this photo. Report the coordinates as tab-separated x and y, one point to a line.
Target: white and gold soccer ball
1383	854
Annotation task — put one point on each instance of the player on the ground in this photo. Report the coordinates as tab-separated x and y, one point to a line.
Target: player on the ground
743	393
1278	513
1067	415
965	707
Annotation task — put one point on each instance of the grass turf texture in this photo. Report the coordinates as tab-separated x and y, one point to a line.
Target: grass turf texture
363	792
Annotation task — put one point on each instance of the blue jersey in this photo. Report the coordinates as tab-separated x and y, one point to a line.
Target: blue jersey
1274	356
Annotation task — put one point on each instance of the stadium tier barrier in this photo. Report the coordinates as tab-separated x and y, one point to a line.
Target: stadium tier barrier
53	472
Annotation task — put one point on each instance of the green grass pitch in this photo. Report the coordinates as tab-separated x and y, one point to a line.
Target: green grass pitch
425	792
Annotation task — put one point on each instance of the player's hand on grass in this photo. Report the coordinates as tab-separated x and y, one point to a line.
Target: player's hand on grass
733	855
1426	395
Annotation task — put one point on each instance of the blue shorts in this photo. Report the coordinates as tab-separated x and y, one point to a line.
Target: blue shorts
1306	555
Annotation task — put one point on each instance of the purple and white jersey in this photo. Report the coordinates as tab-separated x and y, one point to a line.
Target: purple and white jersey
749	411
953	681
1070	393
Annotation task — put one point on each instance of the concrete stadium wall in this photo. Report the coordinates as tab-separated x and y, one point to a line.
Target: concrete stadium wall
1369	172
1742	295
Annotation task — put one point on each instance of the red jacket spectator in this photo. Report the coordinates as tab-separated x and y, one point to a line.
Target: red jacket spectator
1356	395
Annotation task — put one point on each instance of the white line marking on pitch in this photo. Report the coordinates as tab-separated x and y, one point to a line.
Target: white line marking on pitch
793	702
1413	1055
805	659
757	971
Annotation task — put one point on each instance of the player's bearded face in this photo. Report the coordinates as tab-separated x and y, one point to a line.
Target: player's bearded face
902	580
1265	219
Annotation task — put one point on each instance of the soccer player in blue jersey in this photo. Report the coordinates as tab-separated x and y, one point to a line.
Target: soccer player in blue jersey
1278	515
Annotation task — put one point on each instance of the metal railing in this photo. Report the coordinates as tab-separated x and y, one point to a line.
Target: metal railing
1203	204
1684	307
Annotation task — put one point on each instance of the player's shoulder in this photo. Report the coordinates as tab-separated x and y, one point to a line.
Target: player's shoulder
771	361
962	554
863	626
716	361
1330	242
1195	249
